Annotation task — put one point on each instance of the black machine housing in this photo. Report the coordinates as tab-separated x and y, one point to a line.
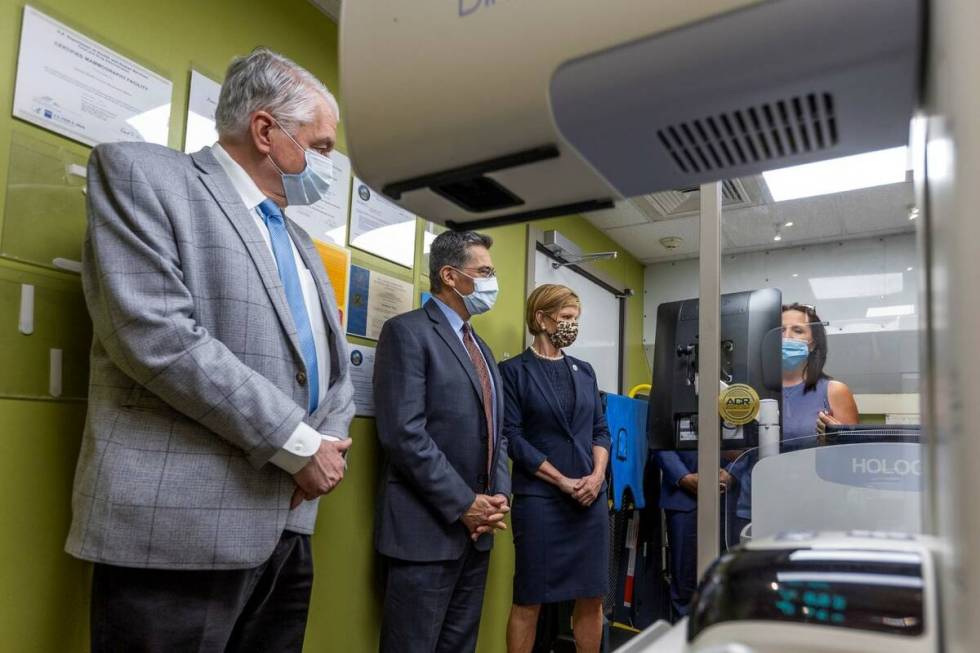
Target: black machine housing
751	353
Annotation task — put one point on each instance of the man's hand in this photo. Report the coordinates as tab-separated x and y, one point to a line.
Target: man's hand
689	484
485	515
587	489
725	480
323	473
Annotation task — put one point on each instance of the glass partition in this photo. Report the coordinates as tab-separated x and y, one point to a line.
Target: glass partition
845	264
838	449
841	451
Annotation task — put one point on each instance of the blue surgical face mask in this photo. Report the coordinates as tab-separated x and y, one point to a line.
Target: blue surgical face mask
795	354
310	185
484	294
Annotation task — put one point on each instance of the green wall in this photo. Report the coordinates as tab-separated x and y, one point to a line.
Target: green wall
44	592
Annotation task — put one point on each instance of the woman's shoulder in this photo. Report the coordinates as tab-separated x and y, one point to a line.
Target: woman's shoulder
512	365
837	388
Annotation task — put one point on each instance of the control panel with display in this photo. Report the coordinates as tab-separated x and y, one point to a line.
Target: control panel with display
871	590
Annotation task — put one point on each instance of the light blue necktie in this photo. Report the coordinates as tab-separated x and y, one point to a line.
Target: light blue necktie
283	251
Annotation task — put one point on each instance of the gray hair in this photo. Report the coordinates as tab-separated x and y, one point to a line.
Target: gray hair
452	248
265	80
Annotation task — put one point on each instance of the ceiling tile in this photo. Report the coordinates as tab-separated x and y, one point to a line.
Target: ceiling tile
826	218
622	215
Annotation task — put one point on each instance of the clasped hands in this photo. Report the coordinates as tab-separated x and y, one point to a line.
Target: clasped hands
585	490
485	515
322	473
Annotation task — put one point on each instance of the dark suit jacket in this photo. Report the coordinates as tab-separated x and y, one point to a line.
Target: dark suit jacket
432	426
536	428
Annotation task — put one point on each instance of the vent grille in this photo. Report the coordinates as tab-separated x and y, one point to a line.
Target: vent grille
732	191
735	193
757	134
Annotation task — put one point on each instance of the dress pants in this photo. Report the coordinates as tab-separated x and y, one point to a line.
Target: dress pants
682	533
434	607
261	609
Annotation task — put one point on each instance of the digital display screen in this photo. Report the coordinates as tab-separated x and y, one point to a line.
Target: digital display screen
815	600
880	591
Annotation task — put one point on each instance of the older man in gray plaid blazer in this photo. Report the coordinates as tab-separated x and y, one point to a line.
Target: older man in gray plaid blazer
220	397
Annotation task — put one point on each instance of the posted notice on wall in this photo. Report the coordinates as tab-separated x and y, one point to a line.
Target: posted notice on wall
336	262
374	299
77	87
201	104
326	220
380	227
362	377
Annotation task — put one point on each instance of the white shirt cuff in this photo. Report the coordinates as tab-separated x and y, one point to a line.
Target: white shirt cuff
301	445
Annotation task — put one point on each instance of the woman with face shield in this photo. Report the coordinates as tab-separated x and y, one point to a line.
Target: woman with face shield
812	400
559	442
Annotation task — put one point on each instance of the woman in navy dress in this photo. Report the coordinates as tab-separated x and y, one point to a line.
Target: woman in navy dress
559	442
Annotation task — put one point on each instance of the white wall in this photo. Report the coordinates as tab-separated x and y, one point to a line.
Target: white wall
874	355
599	324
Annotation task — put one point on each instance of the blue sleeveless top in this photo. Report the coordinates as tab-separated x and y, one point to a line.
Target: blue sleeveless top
800	412
799	431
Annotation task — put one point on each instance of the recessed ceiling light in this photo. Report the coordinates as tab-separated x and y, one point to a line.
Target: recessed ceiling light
838	175
908	269
796	274
777	237
859	285
891	311
788	224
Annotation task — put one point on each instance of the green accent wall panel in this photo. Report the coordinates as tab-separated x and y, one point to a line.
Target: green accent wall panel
45	593
60	322
45	210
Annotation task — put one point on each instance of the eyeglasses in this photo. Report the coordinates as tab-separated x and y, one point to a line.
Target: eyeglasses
484	271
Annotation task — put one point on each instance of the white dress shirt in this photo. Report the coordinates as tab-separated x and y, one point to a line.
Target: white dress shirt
305	440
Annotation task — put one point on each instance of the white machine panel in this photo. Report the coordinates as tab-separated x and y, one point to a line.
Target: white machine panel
867	486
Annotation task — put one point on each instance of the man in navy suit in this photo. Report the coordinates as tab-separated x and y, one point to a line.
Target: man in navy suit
679	501
446	484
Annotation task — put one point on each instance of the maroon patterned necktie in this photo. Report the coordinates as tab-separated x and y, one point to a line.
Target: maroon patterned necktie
483	373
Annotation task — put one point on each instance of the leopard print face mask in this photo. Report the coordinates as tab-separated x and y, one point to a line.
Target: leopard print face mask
565	334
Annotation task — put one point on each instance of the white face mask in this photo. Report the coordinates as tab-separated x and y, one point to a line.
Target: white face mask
484	294
312	183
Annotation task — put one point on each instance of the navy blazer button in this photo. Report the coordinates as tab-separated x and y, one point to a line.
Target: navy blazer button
482	479
301	378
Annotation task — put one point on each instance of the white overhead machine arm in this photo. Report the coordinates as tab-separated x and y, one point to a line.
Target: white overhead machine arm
477	113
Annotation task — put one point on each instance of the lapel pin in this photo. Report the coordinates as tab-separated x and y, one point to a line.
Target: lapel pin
574	367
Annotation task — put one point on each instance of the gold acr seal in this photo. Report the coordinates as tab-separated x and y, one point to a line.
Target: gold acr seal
738	404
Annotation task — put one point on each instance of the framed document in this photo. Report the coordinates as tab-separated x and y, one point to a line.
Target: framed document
380	227
201	104
374	298
362	377
74	86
